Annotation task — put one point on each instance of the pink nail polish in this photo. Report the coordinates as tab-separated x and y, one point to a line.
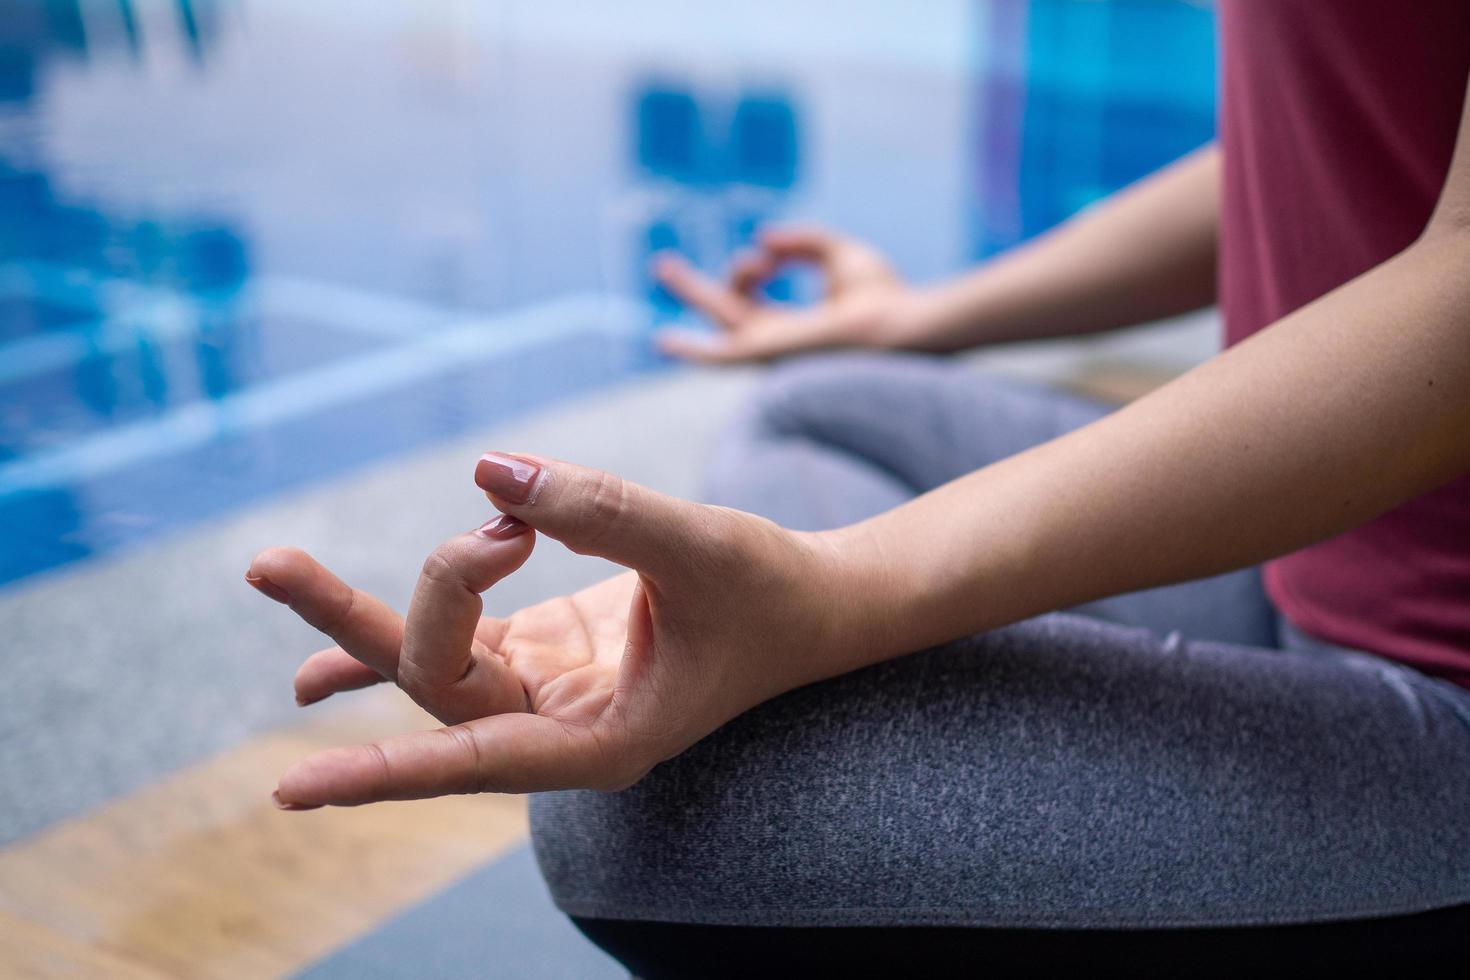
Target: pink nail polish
283	805
503	527
510	478
267	588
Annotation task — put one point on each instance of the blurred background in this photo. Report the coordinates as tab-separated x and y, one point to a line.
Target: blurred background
277	272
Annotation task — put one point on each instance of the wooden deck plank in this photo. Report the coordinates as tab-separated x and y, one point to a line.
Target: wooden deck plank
200	876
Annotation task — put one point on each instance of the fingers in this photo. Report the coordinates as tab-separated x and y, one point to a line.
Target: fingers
729	304
364	627
757	344
442	666
844	261
448	673
756	330
800	243
510	753
750	271
332	671
714	299
768	335
778	246
596	513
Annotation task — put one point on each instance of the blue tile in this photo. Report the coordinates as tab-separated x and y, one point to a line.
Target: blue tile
132	503
146	378
22	316
763	138
670	139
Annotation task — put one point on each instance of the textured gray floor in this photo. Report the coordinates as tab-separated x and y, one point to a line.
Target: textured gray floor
121	670
497	922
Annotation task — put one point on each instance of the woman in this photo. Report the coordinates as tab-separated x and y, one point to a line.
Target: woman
1204	775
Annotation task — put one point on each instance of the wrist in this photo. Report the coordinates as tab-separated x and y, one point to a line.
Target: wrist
904	320
859	601
942	317
905	581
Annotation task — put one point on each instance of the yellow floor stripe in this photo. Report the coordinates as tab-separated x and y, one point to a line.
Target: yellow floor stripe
1118	383
199	876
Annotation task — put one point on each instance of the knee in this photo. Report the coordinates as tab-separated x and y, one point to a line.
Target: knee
658	850
757	818
816	394
721	826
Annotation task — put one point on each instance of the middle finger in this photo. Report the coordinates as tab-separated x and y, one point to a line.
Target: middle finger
361	624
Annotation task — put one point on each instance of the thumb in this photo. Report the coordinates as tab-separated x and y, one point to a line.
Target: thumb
508	753
593	512
800	243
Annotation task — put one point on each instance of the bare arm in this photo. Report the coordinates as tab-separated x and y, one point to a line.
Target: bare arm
1145	253
1340	411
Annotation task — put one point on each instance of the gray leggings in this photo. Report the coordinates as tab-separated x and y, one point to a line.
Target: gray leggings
1171	757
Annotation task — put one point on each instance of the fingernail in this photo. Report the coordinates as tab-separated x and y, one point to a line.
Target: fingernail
303	702
503	527
508	477
268	588
283	805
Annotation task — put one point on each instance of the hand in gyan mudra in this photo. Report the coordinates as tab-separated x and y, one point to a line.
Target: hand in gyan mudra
718	612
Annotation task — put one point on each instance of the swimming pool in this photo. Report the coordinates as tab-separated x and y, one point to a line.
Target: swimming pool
247	245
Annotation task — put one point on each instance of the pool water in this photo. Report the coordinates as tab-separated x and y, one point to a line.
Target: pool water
248	245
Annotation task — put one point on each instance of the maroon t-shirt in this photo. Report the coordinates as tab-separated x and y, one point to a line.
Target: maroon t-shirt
1338	120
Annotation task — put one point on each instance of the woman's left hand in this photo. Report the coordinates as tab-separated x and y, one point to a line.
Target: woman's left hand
721	611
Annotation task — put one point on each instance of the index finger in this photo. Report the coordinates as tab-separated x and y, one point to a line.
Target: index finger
360	624
799	242
715	299
442	666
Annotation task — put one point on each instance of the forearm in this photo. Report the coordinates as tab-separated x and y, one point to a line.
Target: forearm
1146	253
1342	410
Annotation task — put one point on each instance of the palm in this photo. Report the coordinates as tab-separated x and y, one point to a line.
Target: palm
565	652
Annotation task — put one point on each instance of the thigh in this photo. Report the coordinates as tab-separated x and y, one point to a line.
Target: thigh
1063	773
1231	608
927	420
833	439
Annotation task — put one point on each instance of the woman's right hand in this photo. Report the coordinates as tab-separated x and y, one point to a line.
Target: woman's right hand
866	303
721	611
